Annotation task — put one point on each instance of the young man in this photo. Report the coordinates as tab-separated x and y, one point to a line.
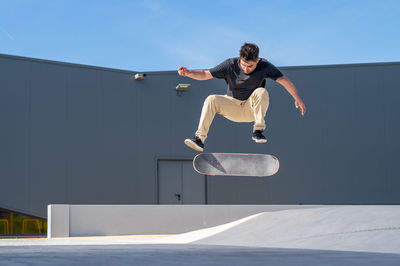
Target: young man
246	100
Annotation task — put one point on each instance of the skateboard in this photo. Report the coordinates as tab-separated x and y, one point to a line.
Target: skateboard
236	164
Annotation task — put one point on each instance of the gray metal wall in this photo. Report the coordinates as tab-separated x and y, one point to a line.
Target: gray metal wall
73	134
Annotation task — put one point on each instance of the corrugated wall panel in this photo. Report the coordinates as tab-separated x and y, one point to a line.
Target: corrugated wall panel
79	135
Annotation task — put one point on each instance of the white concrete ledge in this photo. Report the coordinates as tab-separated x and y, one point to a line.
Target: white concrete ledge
58	220
114	220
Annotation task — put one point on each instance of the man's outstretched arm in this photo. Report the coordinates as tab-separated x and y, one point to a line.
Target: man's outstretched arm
195	74
289	86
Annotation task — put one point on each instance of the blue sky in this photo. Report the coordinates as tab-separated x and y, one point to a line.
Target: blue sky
158	35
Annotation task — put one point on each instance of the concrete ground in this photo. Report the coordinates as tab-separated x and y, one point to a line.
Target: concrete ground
347	235
186	254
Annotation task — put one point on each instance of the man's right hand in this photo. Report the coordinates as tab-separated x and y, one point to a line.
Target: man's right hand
183	71
195	74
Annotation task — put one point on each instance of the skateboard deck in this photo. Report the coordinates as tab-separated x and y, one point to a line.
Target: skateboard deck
236	164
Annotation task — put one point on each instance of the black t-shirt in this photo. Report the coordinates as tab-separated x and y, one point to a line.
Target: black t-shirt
240	84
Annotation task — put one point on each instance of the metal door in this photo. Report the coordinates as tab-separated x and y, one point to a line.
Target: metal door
179	183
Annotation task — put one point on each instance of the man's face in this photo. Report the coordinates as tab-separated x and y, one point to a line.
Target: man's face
248	66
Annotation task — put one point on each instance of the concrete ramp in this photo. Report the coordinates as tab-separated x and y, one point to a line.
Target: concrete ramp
331	236
352	228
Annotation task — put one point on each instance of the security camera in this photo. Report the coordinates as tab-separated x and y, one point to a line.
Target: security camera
139	76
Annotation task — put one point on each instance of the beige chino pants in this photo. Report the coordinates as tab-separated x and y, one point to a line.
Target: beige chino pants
252	109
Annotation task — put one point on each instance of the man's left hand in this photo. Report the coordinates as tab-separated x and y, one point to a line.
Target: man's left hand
299	104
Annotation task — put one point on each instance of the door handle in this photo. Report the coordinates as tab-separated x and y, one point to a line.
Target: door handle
178	196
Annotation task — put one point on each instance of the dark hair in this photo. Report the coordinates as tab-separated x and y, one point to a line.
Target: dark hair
249	52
